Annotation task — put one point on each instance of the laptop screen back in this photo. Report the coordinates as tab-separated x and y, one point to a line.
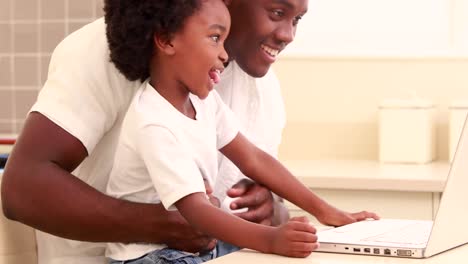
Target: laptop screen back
450	225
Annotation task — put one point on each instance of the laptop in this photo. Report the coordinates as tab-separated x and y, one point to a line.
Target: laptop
411	238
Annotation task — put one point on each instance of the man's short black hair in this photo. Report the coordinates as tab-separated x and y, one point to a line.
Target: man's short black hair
131	25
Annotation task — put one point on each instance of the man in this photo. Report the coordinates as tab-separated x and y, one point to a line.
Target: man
61	161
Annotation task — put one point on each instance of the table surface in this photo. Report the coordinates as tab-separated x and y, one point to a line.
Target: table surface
370	175
456	255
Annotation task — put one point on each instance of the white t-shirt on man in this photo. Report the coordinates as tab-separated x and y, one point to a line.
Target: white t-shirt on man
163	155
88	97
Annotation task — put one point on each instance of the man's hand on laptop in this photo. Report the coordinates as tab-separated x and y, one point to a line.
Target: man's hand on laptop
332	216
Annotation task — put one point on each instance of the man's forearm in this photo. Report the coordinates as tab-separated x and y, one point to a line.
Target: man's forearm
54	201
39	190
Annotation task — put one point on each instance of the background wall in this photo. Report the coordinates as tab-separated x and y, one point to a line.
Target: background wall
383	27
331	99
29	31
332	103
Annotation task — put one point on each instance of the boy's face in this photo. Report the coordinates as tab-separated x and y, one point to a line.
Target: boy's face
260	30
200	52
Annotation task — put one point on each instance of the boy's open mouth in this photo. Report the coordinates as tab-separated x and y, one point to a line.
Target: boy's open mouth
215	75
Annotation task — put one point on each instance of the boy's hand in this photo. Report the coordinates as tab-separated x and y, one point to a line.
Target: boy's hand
334	217
296	238
257	198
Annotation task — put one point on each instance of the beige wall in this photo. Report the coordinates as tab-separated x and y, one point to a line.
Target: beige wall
332	102
29	31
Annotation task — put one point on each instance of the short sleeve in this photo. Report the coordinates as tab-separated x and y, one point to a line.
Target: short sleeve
84	92
170	165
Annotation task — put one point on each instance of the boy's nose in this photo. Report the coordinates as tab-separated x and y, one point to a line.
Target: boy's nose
223	56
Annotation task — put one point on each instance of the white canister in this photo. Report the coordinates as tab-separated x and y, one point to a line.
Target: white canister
407	131
458	113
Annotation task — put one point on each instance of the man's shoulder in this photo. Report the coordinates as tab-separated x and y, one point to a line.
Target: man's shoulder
93	34
84	56
85	48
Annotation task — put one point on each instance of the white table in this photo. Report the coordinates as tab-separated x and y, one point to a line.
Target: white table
454	256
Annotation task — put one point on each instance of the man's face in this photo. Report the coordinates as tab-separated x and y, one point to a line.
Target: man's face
260	30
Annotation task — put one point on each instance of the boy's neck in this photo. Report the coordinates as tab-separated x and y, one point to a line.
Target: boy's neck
173	91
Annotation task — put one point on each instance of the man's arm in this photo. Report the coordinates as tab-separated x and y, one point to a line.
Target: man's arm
39	190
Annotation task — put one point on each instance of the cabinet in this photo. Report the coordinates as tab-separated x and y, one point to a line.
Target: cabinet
391	190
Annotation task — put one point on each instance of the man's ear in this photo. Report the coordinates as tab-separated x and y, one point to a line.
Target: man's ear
163	44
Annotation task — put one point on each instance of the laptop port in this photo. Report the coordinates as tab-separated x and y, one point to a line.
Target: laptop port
403	252
377	251
356	249
367	250
387	251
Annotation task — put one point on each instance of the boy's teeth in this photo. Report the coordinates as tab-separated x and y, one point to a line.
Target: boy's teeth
270	51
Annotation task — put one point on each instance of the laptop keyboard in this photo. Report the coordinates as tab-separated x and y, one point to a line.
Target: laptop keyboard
411	235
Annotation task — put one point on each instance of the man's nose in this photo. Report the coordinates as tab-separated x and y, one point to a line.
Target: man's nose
285	33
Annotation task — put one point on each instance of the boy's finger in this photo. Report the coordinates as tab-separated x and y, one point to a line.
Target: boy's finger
302	219
304	247
304	227
305	237
360	216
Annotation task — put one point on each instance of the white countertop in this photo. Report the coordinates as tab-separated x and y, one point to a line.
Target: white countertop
369	175
456	255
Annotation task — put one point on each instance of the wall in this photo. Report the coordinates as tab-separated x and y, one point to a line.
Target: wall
332	103
29	31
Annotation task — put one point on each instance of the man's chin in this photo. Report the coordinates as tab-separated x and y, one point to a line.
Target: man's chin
256	71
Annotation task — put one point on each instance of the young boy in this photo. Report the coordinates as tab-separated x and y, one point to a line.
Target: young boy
175	124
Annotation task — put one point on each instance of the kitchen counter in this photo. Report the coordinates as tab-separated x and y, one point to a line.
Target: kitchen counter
370	175
405	191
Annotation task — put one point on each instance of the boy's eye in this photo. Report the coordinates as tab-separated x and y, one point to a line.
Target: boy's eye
215	38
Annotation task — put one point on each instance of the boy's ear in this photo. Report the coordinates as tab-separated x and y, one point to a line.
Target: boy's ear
163	44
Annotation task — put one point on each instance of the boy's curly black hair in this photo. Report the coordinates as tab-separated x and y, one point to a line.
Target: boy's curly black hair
131	25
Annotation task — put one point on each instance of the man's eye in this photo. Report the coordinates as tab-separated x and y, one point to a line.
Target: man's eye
278	13
296	20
